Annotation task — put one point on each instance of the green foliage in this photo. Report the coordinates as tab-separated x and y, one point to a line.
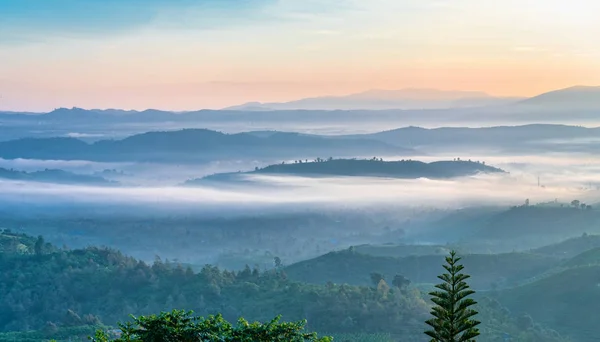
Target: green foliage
377	337
497	322
63	293
18	244
566	301
182	326
70	288
39	246
453	316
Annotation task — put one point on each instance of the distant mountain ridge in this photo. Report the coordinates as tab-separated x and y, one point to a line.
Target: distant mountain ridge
374	99
194	145
578	97
525	137
54	176
380	99
576	105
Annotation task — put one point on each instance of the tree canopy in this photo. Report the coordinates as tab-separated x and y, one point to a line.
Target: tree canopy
453	316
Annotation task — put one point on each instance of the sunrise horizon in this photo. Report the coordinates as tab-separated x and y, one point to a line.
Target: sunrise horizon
184	55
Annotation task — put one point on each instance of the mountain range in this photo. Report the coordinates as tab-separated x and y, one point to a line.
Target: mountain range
201	145
577	97
577	105
194	145
379	99
574	98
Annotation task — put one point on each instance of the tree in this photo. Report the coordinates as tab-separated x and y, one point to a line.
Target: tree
452	314
400	281
182	326
376	278
39	246
277	261
575	203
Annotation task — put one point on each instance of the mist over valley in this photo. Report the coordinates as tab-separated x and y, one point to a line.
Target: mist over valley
299	171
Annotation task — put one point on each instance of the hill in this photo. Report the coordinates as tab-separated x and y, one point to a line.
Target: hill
400	251
378	99
538	222
566	300
54	176
192	145
487	270
522	138
589	257
570	248
408	169
574	98
54	289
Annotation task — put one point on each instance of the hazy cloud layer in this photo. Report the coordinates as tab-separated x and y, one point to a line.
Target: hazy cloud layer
505	190
562	177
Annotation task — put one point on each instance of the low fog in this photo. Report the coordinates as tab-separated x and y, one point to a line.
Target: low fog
561	177
230	224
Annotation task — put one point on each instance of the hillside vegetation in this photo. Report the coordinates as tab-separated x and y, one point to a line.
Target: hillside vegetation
566	301
52	291
487	270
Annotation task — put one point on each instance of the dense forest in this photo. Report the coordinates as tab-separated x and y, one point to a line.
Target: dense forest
52	290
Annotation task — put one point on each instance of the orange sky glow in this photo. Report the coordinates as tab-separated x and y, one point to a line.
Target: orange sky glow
304	49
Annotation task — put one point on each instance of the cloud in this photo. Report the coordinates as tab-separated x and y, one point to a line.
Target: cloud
31	20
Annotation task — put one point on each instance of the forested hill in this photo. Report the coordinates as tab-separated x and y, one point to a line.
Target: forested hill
408	169
54	176
49	290
380	168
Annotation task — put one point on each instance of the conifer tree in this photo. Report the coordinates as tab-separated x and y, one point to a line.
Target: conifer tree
452	315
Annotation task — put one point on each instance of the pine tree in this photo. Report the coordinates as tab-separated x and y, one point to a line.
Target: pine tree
453	316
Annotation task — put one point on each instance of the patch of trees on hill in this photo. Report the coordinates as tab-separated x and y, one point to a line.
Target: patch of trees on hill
375	167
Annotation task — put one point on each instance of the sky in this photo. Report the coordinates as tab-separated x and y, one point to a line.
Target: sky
193	54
